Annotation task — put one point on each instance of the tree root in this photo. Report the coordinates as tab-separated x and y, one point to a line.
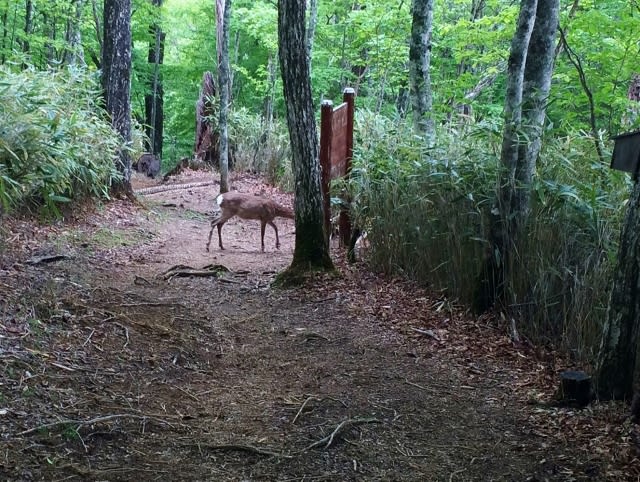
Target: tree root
341	428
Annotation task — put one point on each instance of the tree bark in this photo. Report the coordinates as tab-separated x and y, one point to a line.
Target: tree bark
618	364
154	100
206	140
530	68
419	66
116	75
311	32
28	28
5	32
75	54
223	85
99	33
311	250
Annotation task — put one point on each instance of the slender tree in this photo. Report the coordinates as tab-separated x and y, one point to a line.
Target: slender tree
419	66
223	7
75	52
154	99
311	31
116	75
530	68
311	250
28	28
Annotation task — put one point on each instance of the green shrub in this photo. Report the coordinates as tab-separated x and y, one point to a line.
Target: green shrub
56	145
426	212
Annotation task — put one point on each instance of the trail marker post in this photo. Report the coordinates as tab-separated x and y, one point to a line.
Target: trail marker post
336	151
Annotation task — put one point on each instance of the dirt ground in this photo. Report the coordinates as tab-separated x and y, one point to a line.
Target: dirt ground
115	365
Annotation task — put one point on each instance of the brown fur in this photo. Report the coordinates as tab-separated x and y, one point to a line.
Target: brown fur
248	206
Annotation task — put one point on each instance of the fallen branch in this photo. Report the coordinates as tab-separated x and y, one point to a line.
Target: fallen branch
46	259
80	423
242	448
342	427
172	187
185	271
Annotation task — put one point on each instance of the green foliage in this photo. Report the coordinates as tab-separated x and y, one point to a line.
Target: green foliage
604	37
426	213
261	148
55	144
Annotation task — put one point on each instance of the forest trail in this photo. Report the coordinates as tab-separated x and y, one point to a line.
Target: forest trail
115	367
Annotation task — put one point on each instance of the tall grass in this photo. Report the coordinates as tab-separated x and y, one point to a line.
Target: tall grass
426	212
55	143
261	148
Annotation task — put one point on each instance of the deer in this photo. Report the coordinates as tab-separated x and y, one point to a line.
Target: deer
248	206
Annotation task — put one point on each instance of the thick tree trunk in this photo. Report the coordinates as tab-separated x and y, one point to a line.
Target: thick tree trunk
311	250
618	365
154	101
419	66
116	75
223	85
206	141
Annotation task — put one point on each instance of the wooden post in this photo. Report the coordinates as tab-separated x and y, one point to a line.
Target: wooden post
345	220
326	137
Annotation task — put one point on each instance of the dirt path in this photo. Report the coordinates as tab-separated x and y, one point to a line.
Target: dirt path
112	371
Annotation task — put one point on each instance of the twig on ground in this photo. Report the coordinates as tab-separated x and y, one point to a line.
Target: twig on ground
150	303
89	337
304	404
126	333
342	427
80	423
189	394
429	333
455	473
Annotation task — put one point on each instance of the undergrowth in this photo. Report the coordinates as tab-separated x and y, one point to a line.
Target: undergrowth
426	213
56	144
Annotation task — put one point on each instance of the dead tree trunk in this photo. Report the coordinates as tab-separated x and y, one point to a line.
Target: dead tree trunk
205	148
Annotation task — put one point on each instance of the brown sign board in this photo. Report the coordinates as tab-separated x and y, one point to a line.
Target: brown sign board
336	150
339	146
626	152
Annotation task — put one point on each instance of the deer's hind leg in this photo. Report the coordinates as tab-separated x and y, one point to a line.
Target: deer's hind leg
217	221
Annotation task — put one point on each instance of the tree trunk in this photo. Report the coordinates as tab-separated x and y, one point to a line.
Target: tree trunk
618	364
116	75
154	101
311	32
5	31
529	78
419	66
223	85
98	28
206	141
75	54
28	28
535	97
311	250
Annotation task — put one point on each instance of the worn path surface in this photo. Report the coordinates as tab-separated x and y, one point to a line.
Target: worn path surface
114	368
